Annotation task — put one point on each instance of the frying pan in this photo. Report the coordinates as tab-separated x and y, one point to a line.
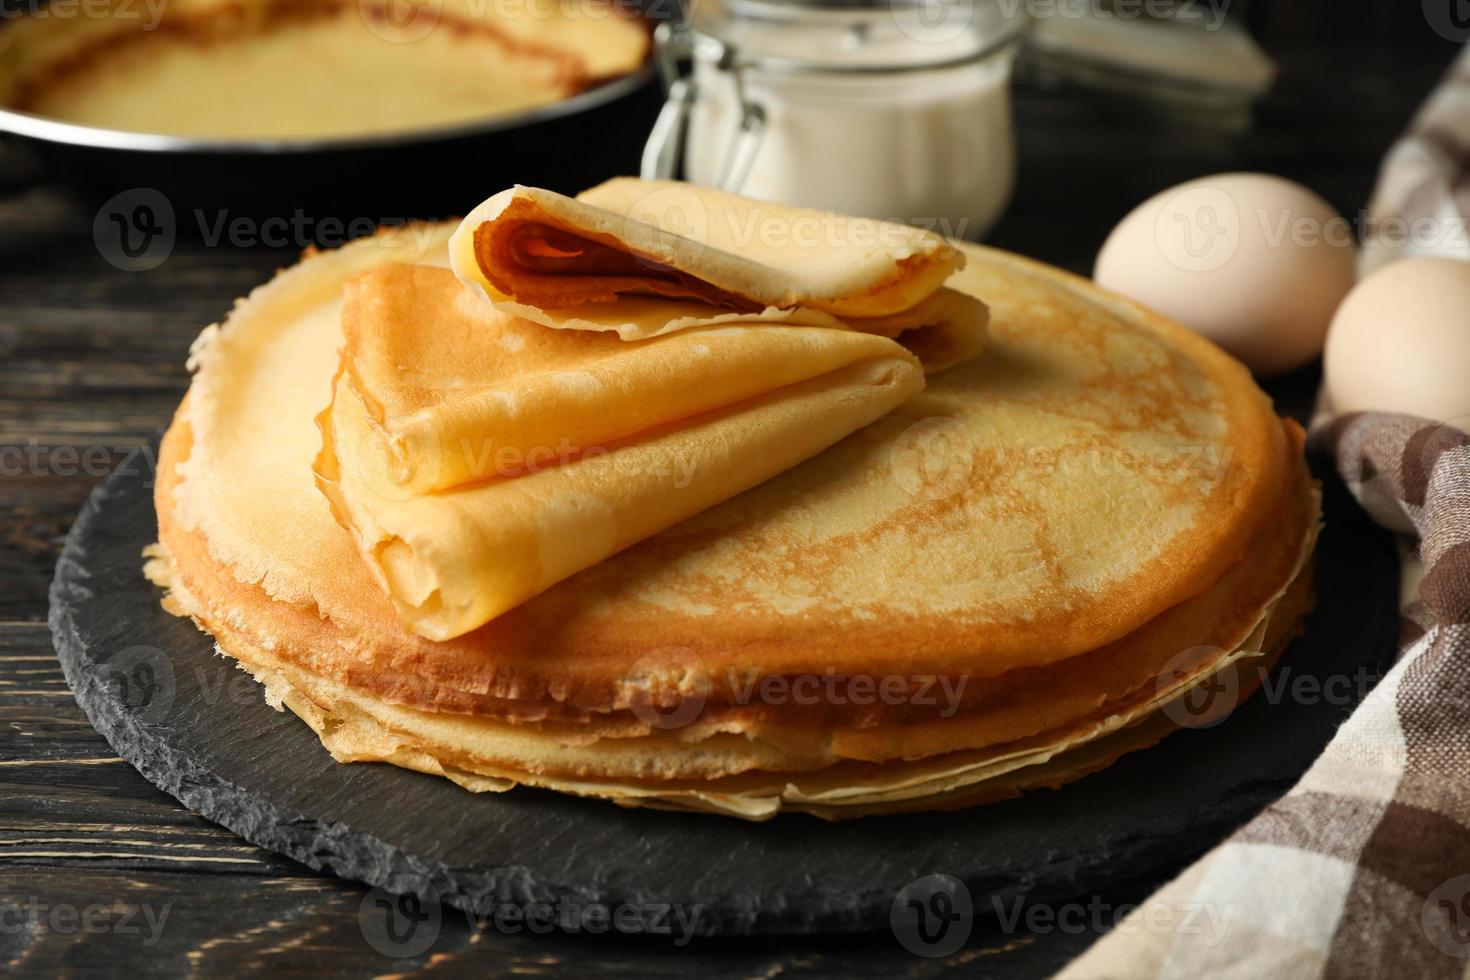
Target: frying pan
423	173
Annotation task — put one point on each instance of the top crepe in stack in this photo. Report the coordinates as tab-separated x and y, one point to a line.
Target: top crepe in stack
1006	581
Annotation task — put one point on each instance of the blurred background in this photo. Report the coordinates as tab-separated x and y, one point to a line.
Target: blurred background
210	122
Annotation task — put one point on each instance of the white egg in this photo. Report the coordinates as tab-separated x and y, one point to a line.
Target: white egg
1256	263
1401	342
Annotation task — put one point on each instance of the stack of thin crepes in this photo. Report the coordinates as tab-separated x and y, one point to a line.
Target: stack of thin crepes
653	501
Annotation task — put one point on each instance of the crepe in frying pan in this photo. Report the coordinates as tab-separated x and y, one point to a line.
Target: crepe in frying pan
478	458
645	258
310	69
1047	530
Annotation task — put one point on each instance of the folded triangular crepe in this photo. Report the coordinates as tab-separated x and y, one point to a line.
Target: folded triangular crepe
478	458
646	258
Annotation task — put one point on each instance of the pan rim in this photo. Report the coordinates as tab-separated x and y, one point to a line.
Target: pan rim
48	130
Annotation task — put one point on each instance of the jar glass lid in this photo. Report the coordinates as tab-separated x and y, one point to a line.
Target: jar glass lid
858	35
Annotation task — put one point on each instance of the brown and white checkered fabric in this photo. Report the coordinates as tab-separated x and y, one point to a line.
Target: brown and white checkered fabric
1363	868
1421	203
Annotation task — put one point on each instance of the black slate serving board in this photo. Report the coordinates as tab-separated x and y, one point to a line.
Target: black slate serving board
200	730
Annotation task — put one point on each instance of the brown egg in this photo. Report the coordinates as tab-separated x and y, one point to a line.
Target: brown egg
1256	263
1401	342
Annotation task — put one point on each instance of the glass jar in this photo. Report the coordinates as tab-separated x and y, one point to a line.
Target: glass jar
896	109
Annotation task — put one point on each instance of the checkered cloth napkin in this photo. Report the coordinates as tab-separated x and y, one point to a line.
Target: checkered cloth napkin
1363	868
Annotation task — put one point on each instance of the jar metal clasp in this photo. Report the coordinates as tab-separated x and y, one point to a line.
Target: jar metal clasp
664	151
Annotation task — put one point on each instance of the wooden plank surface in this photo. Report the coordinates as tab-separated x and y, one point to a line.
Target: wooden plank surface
92	364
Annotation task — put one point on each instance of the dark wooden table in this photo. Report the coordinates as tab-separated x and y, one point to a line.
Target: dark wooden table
92	364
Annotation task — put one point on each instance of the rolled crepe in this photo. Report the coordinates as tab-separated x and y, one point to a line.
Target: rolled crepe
647	258
478	458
